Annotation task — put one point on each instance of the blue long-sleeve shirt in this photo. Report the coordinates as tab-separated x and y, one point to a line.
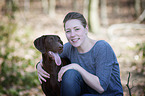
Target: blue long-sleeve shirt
100	61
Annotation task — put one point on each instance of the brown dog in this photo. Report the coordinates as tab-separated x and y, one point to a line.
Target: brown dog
50	46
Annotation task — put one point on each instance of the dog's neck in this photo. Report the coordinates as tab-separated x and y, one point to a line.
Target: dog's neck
48	62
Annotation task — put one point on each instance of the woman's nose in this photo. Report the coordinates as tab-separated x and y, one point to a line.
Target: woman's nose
72	34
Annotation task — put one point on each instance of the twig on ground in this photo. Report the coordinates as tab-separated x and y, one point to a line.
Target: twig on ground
128	85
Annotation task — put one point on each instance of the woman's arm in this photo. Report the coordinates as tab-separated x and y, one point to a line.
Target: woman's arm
90	79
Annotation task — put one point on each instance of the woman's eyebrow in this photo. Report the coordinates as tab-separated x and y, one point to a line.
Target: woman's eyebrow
76	27
73	27
67	29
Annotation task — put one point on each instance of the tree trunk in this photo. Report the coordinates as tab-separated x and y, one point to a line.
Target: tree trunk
93	16
52	4
26	5
45	6
140	18
75	5
17	2
137	7
9	8
85	8
116	6
104	19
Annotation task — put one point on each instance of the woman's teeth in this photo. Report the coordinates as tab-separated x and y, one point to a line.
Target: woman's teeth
75	40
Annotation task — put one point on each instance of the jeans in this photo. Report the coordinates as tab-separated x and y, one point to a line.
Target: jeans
73	84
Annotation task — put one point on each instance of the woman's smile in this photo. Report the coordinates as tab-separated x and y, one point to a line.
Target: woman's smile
74	40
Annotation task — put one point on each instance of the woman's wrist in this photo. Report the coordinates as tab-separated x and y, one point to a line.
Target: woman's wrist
76	66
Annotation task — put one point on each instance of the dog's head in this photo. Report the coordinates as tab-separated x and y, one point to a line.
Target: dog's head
51	45
48	43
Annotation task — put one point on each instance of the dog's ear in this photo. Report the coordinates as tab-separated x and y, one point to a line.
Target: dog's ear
40	44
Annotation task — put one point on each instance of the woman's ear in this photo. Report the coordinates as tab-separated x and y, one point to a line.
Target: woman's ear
86	29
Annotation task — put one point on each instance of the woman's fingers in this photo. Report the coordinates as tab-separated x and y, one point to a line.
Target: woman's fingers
45	74
42	72
65	68
41	78
61	72
60	75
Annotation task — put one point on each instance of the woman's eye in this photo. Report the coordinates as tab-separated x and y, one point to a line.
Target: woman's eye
67	31
77	29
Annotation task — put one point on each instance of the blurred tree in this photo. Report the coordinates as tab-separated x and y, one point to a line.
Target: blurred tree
26	5
85	8
17	2
52	5
137	7
9	8
45	6
140	18
104	19
116	6
75	5
93	16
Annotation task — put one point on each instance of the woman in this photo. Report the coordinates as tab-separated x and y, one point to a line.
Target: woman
94	70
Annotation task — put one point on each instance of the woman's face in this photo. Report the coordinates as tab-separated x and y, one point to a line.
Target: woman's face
75	32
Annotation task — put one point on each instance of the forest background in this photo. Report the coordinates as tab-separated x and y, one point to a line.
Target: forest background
119	22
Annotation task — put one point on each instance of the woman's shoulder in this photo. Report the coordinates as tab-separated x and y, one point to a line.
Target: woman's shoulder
102	44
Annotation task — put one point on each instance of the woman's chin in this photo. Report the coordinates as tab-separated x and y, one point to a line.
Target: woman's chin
75	44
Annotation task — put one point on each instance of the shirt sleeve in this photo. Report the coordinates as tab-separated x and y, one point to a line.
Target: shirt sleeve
104	64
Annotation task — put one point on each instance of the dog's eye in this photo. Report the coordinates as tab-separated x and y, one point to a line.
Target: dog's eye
59	40
51	38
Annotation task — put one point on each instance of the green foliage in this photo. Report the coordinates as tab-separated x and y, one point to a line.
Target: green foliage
10	91
16	56
141	48
140	62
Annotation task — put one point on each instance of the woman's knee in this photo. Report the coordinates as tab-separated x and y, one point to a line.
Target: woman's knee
71	76
72	83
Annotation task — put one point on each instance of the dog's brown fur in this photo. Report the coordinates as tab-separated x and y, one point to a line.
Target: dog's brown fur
45	44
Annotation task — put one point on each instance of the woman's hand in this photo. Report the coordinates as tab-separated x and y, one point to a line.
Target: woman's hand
65	68
41	72
87	77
